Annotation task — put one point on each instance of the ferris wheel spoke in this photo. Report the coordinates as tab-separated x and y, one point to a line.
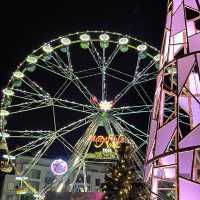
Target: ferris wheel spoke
148	77
121	73
57	66
25	104
131	107
76	80
25	107
62	89
117	78
60	61
84	139
95	54
145	93
144	71
145	81
54	118
38	90
29	146
85	70
71	105
112	56
136	152
26	94
74	125
124	91
30	108
131	126
51	70
82	88
69	57
66	144
91	75
27	133
39	154
141	97
129	111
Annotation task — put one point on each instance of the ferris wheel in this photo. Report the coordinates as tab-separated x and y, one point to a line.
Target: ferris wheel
71	89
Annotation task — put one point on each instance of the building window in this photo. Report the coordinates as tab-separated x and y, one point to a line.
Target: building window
88	178
10	197
79	188
97	182
11	186
35	174
79	178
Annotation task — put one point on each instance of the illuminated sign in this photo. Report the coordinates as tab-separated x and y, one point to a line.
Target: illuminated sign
59	167
109	141
101	155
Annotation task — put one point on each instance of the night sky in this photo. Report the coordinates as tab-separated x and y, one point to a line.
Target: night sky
25	26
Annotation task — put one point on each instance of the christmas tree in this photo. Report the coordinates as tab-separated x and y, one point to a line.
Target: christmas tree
122	181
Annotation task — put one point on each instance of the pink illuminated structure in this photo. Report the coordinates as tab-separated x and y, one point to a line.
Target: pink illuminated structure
173	154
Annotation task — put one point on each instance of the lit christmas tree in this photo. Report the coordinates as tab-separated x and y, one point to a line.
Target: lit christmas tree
122	181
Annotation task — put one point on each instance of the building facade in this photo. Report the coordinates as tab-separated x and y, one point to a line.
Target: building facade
40	175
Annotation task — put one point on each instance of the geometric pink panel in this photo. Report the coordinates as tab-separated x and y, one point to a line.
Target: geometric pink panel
164	135
184	103
191	106
195	110
153	128
168	22
176	4
185	65
148	169
194	43
194	84
178	21
191	4
198	60
168	160
192	139
191	30
165	172
188	190
186	163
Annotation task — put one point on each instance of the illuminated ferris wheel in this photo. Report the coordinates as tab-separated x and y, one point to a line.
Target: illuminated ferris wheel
72	92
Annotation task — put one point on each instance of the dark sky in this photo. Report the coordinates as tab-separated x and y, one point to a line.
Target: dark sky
28	24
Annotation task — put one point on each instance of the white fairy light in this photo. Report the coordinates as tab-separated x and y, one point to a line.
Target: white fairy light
8	92
18	74
4	113
104	37
85	37
32	59
47	48
65	41
142	47
123	41
156	58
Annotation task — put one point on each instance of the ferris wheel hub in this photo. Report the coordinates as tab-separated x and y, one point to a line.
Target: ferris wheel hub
105	105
